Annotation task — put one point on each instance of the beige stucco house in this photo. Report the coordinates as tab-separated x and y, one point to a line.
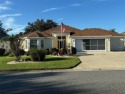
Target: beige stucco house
92	39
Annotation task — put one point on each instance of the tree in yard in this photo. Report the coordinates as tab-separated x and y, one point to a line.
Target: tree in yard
40	25
13	40
3	33
14	43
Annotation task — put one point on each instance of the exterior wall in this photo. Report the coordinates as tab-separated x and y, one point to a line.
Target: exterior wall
5	45
73	42
78	45
107	44
25	44
117	44
54	42
48	43
111	43
68	41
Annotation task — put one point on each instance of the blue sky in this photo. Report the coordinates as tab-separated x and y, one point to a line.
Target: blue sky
105	14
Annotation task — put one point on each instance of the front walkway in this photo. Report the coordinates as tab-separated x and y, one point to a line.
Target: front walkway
101	61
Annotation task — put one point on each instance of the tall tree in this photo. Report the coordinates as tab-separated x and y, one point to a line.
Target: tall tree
3	32
40	24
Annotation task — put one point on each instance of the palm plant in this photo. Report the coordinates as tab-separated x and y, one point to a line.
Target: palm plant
14	43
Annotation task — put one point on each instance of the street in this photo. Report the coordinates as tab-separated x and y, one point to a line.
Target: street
71	82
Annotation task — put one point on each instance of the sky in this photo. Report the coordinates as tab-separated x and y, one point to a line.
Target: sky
81	14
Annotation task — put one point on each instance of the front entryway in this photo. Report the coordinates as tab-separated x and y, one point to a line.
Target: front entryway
61	42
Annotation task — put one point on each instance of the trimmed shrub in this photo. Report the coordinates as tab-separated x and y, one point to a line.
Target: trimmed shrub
37	55
21	52
61	52
47	52
42	54
64	51
2	51
74	50
27	53
54	51
34	54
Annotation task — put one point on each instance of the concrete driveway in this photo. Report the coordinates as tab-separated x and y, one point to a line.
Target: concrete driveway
101	61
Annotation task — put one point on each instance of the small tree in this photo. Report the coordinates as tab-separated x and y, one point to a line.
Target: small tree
14	45
3	33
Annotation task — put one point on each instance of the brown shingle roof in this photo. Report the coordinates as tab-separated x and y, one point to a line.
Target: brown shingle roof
73	31
37	34
98	32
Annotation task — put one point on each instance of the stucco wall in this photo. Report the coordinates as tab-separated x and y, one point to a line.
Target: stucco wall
117	44
78	45
48	43
107	44
68	40
54	42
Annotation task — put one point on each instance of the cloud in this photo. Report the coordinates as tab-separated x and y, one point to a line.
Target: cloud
16	28
60	19
8	2
9	15
75	5
4	5
8	23
50	9
58	8
2	8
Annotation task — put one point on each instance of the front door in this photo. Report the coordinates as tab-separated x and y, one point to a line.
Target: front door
61	42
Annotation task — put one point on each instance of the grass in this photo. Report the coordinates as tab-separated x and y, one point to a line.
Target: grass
50	63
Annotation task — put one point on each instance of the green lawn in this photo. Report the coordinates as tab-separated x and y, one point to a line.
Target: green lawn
50	63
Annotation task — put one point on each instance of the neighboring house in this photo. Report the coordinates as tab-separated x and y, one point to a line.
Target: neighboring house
92	39
5	45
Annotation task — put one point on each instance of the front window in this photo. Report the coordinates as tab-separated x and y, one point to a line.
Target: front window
42	44
33	43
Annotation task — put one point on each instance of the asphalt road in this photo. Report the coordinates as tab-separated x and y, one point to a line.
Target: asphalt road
84	82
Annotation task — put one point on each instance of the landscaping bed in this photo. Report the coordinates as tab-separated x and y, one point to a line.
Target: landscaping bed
49	63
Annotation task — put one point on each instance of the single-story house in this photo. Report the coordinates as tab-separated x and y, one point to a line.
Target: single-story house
91	39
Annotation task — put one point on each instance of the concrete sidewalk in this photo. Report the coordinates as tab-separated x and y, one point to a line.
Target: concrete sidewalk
101	61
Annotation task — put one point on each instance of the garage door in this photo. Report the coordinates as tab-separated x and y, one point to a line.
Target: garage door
94	44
